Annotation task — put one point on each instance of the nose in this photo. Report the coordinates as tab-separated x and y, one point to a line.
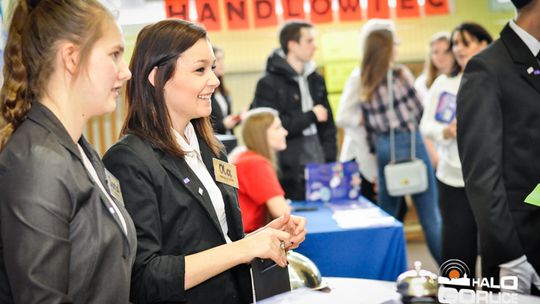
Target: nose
457	48
124	73
213	81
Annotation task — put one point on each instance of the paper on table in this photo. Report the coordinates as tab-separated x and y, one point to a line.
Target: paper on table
365	217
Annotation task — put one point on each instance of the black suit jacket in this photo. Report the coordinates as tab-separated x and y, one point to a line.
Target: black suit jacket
218	115
59	241
173	220
498	117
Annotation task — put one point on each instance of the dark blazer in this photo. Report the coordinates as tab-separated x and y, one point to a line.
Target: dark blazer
59	241
173	220
498	116
218	115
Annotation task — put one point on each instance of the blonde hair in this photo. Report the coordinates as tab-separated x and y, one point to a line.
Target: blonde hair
430	70
255	135
378	49
30	51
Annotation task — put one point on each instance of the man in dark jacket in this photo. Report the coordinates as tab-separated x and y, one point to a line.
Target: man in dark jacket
292	86
498	106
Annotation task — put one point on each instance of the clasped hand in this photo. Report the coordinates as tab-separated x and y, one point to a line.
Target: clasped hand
289	229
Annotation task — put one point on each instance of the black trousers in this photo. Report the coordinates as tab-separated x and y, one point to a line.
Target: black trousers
459	231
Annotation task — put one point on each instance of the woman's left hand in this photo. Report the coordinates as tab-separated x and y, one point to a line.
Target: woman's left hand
294	225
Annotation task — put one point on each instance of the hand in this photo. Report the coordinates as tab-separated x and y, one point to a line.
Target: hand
265	243
525	273
294	225
320	112
450	131
231	121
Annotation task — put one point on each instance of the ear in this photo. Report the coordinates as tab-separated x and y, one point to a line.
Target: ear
69	54
152	76
291	44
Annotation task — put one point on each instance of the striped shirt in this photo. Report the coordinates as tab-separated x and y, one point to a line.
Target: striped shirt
407	107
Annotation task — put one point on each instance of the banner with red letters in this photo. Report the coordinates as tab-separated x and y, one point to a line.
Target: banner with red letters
218	15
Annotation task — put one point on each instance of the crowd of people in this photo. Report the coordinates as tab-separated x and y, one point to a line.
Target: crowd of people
157	221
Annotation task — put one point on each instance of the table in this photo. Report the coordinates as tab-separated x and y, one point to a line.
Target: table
357	291
374	251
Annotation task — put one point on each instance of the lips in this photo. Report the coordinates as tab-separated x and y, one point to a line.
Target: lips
116	90
206	96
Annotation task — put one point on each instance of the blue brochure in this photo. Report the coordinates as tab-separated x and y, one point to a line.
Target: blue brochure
446	108
339	181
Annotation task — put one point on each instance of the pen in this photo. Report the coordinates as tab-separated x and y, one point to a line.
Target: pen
303	209
269	268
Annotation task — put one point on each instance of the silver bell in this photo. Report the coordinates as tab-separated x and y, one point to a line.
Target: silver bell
418	285
302	271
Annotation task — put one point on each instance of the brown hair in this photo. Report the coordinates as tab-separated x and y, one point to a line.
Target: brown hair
475	31
158	46
30	51
222	87
378	49
430	69
255	135
290	31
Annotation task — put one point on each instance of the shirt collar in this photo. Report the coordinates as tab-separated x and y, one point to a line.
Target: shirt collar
532	43
192	145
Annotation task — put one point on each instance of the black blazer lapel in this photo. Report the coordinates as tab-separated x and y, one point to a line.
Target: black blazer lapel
524	60
187	178
100	170
234	217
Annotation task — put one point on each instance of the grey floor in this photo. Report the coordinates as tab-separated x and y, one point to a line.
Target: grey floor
417	251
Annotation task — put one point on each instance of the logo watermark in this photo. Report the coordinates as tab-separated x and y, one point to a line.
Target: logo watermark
457	286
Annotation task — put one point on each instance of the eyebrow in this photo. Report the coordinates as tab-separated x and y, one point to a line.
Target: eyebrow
119	47
205	61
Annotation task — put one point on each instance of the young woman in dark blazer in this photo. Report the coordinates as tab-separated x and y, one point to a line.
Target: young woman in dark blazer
191	246
223	120
65	236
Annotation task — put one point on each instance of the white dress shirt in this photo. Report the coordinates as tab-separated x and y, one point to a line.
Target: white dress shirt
194	160
532	43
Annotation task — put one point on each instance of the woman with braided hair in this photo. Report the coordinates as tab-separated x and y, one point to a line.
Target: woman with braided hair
65	236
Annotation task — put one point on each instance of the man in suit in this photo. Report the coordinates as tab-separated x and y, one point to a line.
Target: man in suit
293	87
498	122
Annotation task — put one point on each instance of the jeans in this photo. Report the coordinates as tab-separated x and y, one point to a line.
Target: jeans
427	202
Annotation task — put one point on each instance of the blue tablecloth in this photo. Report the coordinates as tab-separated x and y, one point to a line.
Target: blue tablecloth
363	252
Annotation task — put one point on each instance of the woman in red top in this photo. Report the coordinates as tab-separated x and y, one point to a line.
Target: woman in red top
260	194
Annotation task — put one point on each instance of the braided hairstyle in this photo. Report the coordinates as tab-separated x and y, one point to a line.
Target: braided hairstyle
31	46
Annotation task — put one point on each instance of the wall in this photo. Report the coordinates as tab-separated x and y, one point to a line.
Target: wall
247	50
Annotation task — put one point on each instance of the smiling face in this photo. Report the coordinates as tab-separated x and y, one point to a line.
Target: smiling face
276	135
100	82
465	46
187	93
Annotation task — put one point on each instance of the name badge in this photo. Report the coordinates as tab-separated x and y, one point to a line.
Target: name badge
225	173
114	187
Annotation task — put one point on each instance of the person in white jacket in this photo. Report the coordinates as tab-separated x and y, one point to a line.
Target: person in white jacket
355	145
439	124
